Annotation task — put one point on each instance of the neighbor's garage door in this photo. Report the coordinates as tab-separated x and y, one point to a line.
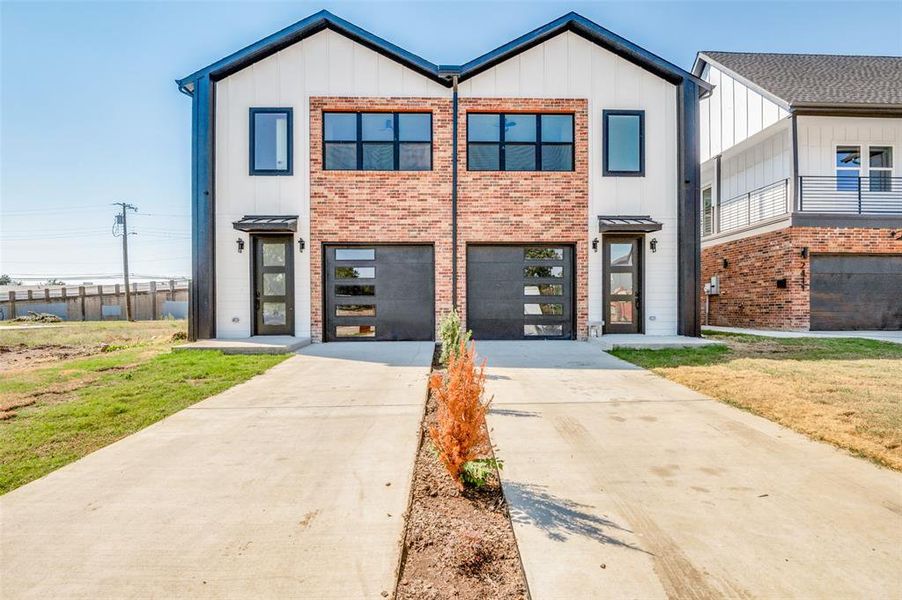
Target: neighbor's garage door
520	292
856	292
379	293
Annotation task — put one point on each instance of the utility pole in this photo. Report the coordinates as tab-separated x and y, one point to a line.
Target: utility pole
122	222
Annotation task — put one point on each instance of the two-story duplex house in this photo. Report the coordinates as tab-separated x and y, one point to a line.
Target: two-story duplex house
346	189
802	191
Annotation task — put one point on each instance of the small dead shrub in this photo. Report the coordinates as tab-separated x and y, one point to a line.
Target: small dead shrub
460	412
179	336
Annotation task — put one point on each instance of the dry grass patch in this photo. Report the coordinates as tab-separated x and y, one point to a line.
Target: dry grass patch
843	391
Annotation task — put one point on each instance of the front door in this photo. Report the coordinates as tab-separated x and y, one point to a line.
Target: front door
622	284
273	293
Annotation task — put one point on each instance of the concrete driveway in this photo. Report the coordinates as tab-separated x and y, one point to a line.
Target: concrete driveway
625	485
292	485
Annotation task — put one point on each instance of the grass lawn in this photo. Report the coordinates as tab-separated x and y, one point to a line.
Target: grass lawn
117	378
844	391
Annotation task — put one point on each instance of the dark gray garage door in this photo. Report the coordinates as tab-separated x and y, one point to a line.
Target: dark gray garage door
379	293
856	292
520	292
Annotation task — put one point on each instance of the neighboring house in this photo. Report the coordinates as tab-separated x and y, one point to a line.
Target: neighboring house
344	188
801	193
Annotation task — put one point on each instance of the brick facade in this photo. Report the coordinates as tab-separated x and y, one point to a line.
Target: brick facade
523	207
381	206
749	296
415	206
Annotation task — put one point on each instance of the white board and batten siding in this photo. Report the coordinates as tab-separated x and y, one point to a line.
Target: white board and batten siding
325	64
328	64
568	66
732	113
819	137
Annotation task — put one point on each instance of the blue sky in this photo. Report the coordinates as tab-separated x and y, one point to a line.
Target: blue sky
89	113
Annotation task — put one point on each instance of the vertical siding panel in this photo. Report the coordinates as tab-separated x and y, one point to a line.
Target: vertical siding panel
754	112
716	109
705	129
341	59
579	67
768	113
389	77
728	117
366	69
555	65
316	63
532	72
740	108
507	78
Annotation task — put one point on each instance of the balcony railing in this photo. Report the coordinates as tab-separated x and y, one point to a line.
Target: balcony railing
747	209
850	195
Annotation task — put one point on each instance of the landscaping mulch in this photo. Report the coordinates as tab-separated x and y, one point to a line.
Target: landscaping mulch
458	544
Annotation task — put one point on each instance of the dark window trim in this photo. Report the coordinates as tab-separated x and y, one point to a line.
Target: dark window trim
251	145
604	117
502	143
396	141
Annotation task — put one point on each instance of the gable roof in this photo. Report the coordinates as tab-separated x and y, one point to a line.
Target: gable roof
440	73
815	80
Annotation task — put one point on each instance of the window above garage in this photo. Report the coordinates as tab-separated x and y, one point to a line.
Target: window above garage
519	142
358	141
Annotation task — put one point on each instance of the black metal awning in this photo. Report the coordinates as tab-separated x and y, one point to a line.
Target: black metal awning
267	223
613	223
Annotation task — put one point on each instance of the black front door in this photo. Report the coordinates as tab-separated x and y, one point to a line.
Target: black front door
622	273
273	293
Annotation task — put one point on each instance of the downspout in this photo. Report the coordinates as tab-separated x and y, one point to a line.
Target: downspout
454	193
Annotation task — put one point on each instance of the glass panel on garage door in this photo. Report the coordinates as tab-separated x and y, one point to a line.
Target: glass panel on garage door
520	292
379	293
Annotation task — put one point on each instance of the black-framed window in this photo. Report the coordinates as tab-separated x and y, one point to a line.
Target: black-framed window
624	143
377	141
270	141
520	142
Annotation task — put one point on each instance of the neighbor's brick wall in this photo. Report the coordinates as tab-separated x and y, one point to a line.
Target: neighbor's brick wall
749	296
381	206
524	207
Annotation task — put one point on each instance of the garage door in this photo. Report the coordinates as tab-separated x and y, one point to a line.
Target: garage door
856	292
379	293
520	292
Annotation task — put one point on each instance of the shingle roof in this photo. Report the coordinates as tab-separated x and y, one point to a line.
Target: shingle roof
821	79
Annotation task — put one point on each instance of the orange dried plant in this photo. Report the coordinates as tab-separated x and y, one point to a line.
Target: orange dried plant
460	411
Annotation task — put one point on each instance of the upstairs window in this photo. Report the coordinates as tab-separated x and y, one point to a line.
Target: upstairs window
624	143
270	141
377	141
519	142
880	164
848	168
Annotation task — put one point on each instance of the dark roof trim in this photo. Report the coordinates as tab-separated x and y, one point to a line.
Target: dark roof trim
847	110
441	74
594	33
303	29
616	223
267	223
702	59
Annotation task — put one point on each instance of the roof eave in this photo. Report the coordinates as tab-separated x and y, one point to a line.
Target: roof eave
703	59
592	32
303	29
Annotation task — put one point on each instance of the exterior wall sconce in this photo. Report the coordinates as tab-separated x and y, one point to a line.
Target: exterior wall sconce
653	244
726	263
301	244
595	245
805	252
240	243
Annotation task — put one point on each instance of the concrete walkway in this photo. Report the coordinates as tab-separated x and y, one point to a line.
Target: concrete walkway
292	485
880	336
625	485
